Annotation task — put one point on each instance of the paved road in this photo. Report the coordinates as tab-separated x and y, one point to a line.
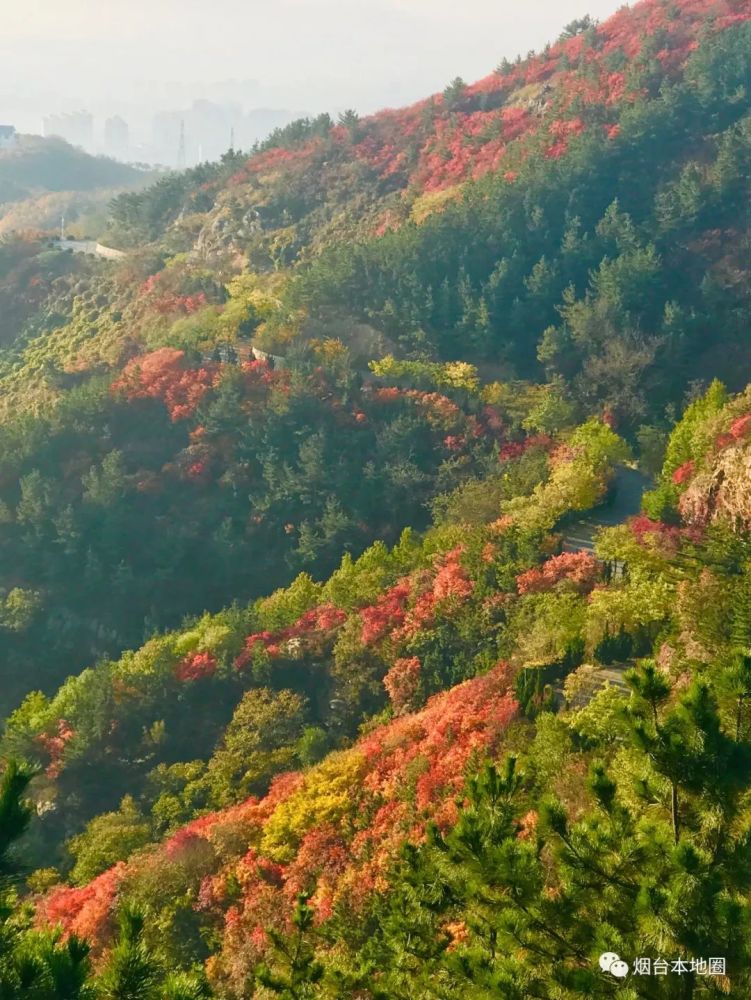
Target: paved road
600	677
90	247
624	502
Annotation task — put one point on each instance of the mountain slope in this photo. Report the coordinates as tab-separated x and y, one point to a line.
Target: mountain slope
408	776
603	247
535	107
35	165
376	829
609	251
44	180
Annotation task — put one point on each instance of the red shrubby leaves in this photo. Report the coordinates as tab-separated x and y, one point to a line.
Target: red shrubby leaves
315	625
54	746
386	614
86	912
452	580
515	449
164	375
741	428
402	682
578	571
196	667
339	858
683	473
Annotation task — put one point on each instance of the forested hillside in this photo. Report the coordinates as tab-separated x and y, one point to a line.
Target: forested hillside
34	165
42	180
384	680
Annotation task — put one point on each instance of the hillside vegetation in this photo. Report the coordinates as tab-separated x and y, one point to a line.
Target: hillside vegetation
313	684
42	180
34	165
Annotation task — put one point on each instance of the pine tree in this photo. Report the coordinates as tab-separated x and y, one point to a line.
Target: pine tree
33	964
131	972
134	972
657	864
295	970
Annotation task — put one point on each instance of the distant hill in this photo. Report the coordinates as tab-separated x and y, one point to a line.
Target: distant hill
42	180
37	165
578	214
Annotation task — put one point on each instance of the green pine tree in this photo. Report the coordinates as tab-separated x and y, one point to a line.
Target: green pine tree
294	972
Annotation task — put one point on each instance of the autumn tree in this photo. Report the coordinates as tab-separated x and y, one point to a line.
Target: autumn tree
515	902
32	963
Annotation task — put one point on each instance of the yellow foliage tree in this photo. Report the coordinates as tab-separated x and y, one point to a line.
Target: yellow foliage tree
328	795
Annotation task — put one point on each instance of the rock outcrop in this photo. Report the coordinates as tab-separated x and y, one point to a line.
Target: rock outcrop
723	491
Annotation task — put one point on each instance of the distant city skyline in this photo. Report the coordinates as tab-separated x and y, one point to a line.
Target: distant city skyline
173	138
148	57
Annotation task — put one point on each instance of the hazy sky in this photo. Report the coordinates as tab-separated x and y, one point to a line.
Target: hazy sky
304	54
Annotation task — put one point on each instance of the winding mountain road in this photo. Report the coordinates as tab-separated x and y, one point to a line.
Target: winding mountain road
624	501
91	248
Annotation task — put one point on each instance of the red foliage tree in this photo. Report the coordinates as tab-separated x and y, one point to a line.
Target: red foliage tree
741	428
54	746
402	683
386	614
196	667
316	625
515	449
164	375
577	571
87	911
645	529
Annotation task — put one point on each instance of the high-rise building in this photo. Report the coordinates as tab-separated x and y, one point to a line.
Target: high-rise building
77	128
167	128
203	131
8	136
181	150
117	138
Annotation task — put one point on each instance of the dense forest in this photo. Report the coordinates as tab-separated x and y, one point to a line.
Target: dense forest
375	551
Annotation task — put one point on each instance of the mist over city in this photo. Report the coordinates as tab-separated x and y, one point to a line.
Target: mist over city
129	80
